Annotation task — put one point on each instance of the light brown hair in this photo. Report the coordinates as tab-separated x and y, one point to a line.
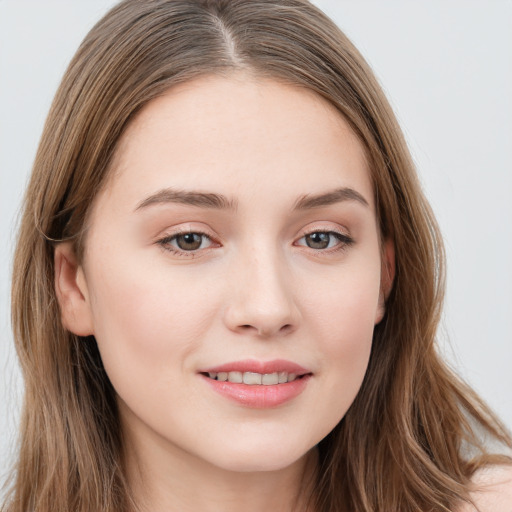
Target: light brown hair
413	436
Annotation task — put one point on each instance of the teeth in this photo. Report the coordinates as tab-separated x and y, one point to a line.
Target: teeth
270	378
251	378
235	377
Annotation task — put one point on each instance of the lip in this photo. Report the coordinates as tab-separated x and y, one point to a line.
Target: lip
252	365
259	396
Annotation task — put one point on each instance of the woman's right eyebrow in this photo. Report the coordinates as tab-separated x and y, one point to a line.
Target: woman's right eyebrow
190	198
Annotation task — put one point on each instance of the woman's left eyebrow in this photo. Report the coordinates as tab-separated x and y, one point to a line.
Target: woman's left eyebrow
330	197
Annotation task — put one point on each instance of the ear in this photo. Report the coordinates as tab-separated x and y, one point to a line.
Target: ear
387	276
72	292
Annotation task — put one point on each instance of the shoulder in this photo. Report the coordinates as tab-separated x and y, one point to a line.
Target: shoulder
492	490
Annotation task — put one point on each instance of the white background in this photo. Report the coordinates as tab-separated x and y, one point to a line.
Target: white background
447	69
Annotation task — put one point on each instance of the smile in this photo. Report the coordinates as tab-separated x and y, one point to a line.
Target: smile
254	379
258	384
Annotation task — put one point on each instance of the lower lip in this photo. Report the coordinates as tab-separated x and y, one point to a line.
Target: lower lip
259	396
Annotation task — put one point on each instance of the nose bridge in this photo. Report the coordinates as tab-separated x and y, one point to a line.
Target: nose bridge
263	298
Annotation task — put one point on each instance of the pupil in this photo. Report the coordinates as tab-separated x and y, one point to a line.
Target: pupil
318	240
189	241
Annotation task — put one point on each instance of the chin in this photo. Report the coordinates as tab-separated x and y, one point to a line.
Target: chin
274	456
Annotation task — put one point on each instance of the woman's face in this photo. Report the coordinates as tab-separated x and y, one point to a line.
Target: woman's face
237	239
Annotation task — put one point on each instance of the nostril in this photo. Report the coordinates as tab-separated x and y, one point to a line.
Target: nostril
266	332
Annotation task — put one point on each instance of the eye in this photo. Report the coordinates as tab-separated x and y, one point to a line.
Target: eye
320	240
186	242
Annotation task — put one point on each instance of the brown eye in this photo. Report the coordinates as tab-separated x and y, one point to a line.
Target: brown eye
183	243
318	240
189	241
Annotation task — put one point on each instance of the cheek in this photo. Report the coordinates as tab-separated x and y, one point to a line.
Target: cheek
145	320
343	311
343	319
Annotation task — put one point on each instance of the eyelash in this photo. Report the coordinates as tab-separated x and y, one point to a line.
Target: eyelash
344	240
165	243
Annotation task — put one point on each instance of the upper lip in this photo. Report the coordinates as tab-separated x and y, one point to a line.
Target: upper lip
254	366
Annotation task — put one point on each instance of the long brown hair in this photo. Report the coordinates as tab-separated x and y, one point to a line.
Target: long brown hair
413	436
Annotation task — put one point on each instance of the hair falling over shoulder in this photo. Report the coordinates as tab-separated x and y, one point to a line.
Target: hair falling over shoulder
415	433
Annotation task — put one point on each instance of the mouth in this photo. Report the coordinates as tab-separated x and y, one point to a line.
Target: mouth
254	378
258	384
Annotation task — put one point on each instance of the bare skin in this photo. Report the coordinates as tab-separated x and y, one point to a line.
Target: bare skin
493	491
238	225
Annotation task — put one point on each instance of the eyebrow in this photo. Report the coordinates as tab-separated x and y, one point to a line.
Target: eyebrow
190	198
221	202
328	198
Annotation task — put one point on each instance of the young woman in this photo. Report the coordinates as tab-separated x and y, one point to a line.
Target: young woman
227	282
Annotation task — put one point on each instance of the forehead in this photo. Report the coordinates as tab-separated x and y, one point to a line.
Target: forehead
235	134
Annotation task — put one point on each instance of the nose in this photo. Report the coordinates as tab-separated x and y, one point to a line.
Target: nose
261	297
